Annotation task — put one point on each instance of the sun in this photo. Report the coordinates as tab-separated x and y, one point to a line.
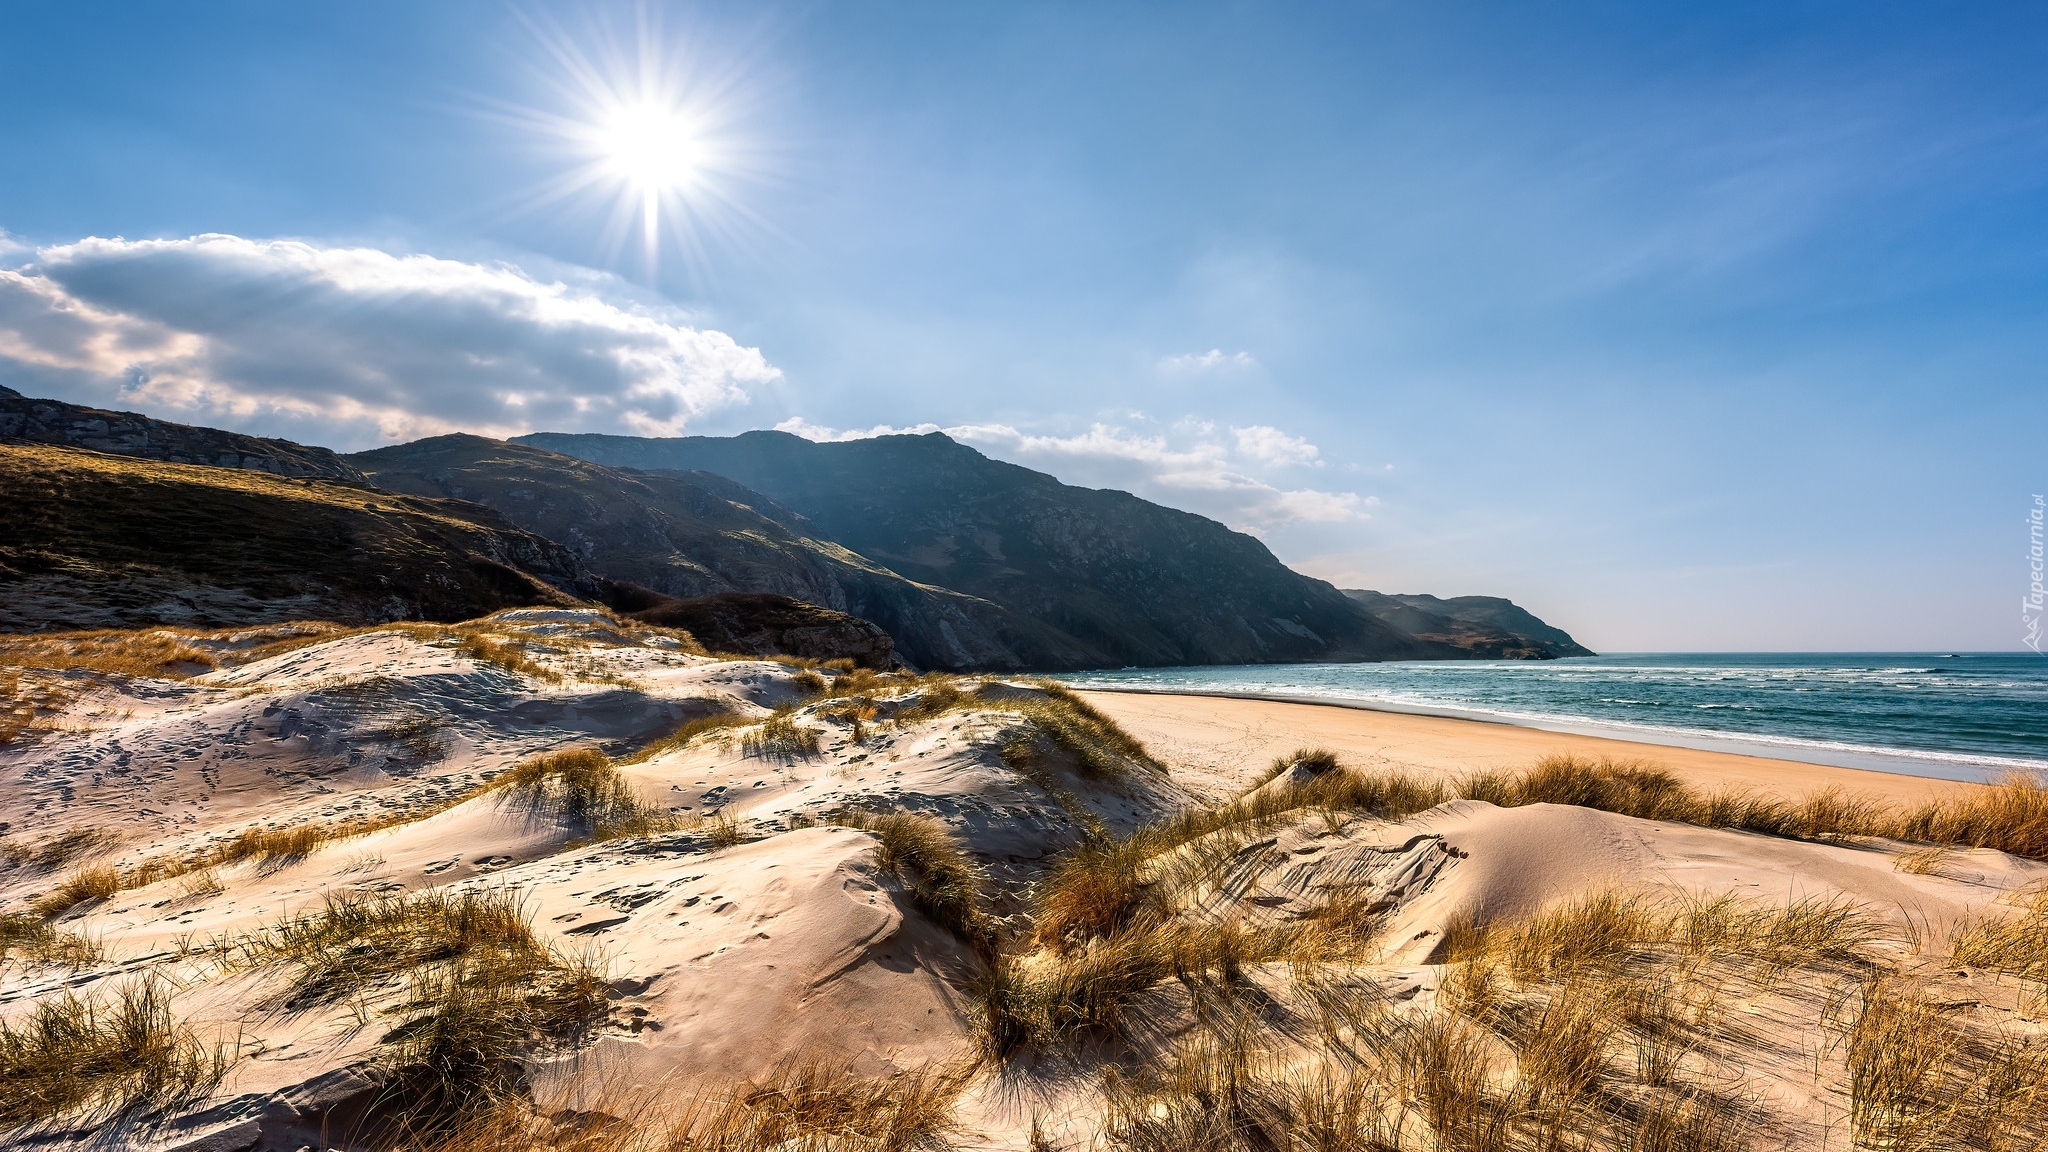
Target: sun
654	149
654	132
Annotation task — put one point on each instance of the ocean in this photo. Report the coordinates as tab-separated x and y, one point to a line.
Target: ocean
1962	716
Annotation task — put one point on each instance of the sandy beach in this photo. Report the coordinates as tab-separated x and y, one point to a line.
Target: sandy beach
1218	743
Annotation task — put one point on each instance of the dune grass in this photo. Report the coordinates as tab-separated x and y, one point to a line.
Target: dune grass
1050	1000
156	652
479	987
943	883
27	936
801	1108
1920	1080
582	787
95	1059
691	730
1587	1025
781	738
1101	749
2015	944
92	882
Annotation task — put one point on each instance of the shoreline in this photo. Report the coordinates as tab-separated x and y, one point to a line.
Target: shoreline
1760	749
1219	744
1956	767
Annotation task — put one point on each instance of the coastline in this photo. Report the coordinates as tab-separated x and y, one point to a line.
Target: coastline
1958	767
1220	742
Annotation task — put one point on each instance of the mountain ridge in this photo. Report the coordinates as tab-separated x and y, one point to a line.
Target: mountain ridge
35	421
692	534
1487	626
1128	582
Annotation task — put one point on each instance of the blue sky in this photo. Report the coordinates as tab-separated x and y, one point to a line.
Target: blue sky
1690	327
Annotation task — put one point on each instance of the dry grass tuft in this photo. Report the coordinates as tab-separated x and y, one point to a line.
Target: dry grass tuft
92	882
28	936
92	1059
2012	817
805	1108
691	730
1048	1000
264	844
1918	1080
943	883
478	988
1103	750
354	943
1923	861
2017	944
581	786
780	737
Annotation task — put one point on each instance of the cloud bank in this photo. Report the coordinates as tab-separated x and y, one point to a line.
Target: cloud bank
1233	474
352	347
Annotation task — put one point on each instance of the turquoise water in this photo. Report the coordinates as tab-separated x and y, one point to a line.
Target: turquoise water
1955	715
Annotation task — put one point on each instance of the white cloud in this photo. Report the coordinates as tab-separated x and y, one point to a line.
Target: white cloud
353	346
1214	359
1263	442
1192	464
798	426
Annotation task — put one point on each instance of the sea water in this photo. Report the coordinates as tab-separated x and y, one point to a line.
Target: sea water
1963	715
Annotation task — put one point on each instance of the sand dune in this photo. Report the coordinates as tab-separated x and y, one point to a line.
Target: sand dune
745	922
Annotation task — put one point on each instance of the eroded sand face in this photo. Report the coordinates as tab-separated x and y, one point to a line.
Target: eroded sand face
727	960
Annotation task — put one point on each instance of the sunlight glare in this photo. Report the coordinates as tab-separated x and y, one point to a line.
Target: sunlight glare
653	148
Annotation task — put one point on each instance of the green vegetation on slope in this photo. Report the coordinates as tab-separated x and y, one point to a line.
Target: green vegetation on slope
91	540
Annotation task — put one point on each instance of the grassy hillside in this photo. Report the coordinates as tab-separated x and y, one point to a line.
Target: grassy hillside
90	540
37	421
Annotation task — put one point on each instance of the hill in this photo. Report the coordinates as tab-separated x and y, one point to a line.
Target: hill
27	421
692	534
1486	626
94	540
1116	579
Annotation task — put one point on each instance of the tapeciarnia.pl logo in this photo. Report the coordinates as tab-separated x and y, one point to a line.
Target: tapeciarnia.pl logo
2031	605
